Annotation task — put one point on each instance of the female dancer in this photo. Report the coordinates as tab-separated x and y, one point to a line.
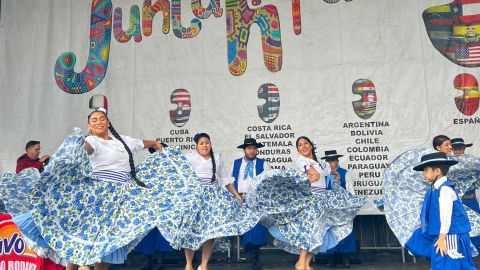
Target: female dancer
443	144
221	213
91	205
326	217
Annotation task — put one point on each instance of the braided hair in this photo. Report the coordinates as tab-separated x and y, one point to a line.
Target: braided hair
439	140
130	155
196	139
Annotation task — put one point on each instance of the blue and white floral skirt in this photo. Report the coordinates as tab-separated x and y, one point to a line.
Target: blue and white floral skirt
220	215
16	188
472	203
85	219
404	190
300	219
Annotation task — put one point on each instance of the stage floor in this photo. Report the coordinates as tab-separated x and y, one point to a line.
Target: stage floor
279	260
242	266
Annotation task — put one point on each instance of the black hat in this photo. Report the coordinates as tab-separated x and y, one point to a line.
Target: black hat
438	158
250	141
331	155
459	142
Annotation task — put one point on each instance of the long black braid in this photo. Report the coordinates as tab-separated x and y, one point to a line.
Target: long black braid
214	166
313	148
130	155
196	139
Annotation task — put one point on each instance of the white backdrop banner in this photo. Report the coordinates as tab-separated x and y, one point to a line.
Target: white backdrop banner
368	78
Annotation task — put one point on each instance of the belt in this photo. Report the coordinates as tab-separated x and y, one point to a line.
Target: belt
468	196
243	195
112	176
207	181
316	189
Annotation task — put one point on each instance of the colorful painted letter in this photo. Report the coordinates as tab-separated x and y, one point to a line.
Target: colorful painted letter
203	13
133	29
297	17
240	18
96	68
178	29
148	13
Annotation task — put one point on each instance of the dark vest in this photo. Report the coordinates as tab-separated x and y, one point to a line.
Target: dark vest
236	169
343	178
431	214
343	175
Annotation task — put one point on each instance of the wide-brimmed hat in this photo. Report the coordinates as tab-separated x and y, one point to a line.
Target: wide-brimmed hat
460	142
250	142
331	155
438	158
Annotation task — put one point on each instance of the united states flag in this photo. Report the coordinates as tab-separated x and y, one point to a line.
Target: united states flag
180	116
468	55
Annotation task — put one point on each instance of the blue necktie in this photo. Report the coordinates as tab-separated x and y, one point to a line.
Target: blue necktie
248	170
329	182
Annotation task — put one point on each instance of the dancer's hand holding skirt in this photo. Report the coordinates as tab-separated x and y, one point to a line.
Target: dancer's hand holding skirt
298	218
86	219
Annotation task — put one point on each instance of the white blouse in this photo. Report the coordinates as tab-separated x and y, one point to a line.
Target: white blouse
203	168
447	197
244	185
111	154
303	164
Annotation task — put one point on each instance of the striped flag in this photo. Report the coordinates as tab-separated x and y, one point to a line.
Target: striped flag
98	101
367	105
468	55
468	102
180	116
454	30
269	111
369	100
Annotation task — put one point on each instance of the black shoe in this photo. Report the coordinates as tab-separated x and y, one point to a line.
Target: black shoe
331	262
